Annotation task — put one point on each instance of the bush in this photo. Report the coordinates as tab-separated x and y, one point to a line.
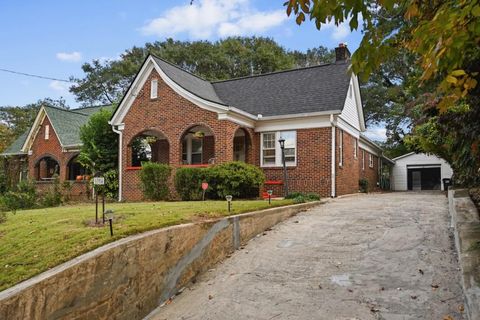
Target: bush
299	197
53	197
154	178
24	197
188	182
363	184
3	217
238	179
110	188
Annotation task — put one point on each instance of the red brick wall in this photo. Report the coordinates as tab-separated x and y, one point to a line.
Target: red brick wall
369	173
171	115
312	173
346	175
42	147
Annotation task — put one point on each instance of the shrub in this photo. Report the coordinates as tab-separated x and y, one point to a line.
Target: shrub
188	182
111	184
299	197
24	197
3	217
363	184
53	197
154	178
238	179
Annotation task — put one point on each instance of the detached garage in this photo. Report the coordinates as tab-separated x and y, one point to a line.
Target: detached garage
419	171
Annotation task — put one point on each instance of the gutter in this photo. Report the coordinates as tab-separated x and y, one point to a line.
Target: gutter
333	182
120	169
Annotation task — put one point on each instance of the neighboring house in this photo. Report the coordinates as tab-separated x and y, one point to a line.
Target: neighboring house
50	148
169	115
419	171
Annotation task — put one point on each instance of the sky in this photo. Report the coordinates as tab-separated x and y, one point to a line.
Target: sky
53	38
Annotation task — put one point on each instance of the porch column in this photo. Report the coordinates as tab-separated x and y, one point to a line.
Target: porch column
224	142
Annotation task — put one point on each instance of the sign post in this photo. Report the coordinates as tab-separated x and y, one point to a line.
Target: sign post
204	188
99	181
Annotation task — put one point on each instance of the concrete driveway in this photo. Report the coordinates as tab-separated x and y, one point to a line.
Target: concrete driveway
377	256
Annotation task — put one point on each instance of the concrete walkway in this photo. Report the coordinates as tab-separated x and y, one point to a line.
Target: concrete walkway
378	256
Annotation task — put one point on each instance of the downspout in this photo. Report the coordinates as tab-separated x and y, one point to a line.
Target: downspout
333	193
120	169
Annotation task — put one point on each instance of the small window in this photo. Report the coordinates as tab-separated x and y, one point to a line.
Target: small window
154	89
340	148
268	148
370	160
363	159
271	153
355	148
47	132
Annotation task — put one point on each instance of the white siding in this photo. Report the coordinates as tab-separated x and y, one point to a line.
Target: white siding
350	111
399	170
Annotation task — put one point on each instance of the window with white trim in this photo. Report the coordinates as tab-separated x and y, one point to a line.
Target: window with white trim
355	148
47	132
340	148
363	159
271	153
154	89
370	160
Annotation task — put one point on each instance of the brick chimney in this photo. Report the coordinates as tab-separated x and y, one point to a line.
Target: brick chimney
342	54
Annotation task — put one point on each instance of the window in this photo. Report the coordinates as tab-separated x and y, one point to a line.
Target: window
370	160
363	159
355	148
340	148
47	132
271	153
192	150
154	89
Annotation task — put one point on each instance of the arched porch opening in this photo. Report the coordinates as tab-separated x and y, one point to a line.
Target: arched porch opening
75	171
198	146
147	146
242	146
46	168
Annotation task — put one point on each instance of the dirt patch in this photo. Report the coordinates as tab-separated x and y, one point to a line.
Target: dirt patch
475	195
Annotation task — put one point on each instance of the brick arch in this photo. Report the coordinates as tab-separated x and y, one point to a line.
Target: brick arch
38	169
153	132
208	148
249	144
46	155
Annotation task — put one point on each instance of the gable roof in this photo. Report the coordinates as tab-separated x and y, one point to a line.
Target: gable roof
319	88
65	123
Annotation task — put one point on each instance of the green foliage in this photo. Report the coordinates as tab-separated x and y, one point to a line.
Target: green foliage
299	197
3	217
110	188
54	197
224	59
363	184
154	178
188	182
24	197
99	151
238	179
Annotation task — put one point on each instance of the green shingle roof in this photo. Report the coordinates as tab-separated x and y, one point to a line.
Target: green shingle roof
66	124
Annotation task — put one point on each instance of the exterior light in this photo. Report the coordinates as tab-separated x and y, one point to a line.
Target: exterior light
229	201
109	216
270	192
285	178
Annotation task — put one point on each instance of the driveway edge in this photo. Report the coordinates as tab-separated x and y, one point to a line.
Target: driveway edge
466	223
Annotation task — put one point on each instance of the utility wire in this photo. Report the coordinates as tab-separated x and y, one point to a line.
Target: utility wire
34	75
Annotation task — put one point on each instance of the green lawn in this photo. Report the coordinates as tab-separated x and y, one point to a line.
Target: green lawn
33	241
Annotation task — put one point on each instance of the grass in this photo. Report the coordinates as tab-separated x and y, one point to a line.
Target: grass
32	241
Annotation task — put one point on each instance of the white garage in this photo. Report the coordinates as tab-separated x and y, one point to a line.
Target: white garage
419	171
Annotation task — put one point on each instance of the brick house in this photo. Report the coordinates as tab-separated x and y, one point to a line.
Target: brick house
50	148
171	116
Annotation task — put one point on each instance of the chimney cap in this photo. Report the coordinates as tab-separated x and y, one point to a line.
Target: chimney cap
342	44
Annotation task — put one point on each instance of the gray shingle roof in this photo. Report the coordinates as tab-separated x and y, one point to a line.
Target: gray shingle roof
189	81
16	147
305	90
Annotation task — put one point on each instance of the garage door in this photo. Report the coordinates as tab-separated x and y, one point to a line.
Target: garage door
424	178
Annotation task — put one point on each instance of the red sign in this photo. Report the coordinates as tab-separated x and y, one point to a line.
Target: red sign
204	185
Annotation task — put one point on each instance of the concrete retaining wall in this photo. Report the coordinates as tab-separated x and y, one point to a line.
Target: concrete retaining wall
128	278
465	220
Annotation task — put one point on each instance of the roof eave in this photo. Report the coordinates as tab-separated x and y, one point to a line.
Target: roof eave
300	115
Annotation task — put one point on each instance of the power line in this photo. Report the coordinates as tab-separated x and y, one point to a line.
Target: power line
34	75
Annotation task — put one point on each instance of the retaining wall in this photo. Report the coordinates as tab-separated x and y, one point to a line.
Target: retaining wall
129	278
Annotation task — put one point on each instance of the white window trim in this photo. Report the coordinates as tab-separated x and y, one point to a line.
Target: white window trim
363	160
370	160
278	151
154	89
188	140
340	148
47	132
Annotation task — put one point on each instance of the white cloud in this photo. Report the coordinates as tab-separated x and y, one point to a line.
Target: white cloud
340	32
60	87
69	56
209	18
376	133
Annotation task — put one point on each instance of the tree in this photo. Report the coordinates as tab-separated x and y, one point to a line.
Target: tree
107	81
99	151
